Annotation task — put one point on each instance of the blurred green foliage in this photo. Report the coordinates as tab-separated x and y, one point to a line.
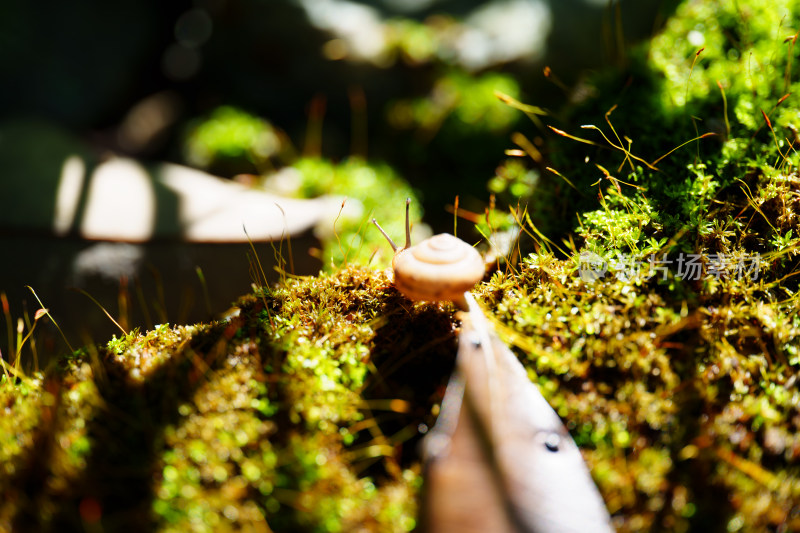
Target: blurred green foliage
382	194
471	101
229	134
695	125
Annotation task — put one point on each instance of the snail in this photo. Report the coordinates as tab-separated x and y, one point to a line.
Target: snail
499	457
442	267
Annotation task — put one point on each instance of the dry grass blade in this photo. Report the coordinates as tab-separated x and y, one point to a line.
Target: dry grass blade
262	280
789	56
703	136
204	285
628	154
573	137
563	177
31	327
9	326
71	349
531	111
288	238
754	204
774	137
688	79
105	311
725	110
529	148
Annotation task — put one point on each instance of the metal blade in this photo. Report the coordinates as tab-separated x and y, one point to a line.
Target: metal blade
500	458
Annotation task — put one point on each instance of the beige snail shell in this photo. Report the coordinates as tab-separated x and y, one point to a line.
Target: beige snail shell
442	267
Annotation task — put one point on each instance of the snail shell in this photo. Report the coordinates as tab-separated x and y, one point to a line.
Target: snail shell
442	267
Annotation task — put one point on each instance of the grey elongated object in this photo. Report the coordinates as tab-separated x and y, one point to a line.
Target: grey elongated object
499	458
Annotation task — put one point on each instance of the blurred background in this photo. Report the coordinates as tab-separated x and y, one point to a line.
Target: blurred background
114	117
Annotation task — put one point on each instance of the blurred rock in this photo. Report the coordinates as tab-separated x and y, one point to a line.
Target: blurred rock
133	235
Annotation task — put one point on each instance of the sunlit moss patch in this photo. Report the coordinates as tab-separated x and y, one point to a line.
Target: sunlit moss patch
301	412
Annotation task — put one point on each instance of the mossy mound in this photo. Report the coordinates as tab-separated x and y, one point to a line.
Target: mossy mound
688	413
301	413
663	329
304	411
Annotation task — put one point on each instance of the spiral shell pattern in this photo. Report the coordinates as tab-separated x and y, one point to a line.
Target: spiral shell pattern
442	267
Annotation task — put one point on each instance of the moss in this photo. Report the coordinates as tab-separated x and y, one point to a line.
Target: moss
303	411
680	388
647	384
230	139
46	443
282	432
382	194
469	102
22	403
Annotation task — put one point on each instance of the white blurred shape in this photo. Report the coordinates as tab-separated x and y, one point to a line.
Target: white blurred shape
121	203
107	260
696	38
125	200
358	25
68	194
215	210
285	182
504	31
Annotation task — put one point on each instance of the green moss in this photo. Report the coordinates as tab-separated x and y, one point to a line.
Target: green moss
298	463
743	47
681	389
22	402
382	194
303	411
460	104
648	383
45	444
228	136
